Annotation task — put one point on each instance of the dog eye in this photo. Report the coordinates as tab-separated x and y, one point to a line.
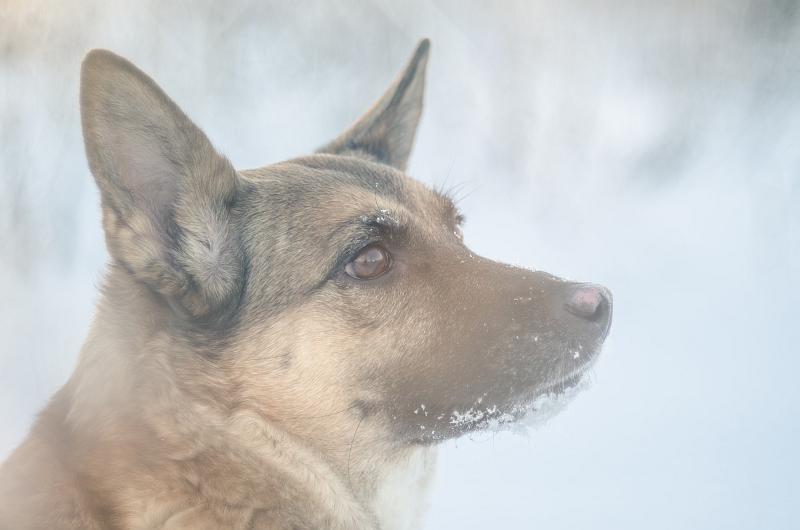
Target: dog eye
458	232
370	263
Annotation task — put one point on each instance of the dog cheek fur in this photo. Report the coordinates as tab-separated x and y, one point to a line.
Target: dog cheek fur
319	396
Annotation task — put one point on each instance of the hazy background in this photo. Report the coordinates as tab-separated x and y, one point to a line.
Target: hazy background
649	146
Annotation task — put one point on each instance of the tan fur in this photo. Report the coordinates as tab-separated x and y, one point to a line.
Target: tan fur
236	376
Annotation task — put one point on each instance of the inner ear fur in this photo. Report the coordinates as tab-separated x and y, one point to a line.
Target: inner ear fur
385	132
165	191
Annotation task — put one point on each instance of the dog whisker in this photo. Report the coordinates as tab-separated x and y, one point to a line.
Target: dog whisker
350	453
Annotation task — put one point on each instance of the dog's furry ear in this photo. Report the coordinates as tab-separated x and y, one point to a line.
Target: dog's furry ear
385	132
165	190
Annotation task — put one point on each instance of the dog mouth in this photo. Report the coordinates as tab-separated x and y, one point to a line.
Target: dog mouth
549	402
525	402
534	410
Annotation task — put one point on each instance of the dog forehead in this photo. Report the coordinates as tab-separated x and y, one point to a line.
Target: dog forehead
329	188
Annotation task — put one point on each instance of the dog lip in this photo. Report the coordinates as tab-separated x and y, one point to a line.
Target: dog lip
560	386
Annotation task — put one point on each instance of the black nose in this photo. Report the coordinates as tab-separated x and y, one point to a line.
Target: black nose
589	301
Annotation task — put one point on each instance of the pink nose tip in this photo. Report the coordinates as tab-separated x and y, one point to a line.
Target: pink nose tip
584	301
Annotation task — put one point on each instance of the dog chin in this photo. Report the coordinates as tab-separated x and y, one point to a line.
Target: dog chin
534	411
551	401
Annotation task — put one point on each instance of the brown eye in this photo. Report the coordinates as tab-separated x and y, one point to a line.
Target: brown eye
370	263
459	234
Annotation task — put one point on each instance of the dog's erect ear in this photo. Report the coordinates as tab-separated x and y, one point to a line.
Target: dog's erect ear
385	132
165	190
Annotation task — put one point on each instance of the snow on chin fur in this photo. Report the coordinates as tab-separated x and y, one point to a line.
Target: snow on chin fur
520	419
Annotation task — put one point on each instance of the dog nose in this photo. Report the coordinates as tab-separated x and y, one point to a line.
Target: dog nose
589	301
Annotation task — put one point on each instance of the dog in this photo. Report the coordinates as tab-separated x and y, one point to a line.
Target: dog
282	347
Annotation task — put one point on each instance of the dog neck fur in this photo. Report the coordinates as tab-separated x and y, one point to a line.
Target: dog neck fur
180	435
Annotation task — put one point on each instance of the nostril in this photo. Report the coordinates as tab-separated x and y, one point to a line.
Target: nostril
585	301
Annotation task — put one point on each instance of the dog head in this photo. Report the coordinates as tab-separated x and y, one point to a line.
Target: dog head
328	291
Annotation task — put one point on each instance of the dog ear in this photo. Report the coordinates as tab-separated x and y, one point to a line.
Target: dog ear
165	191
385	132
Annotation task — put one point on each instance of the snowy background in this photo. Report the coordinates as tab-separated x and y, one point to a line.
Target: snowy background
650	146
